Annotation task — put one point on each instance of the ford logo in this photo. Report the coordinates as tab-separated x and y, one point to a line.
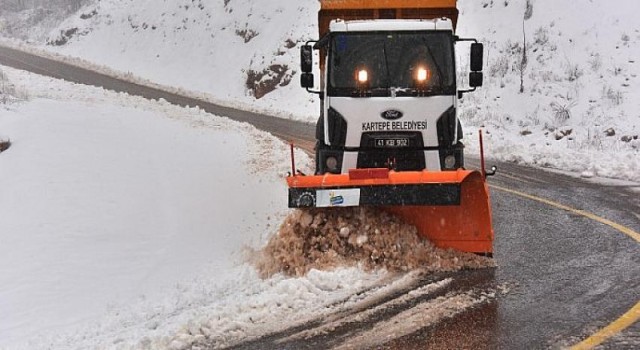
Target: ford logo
392	114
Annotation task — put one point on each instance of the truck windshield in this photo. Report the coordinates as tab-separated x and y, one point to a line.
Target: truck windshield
391	64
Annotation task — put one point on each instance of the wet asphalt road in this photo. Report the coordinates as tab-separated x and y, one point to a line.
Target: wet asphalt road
567	275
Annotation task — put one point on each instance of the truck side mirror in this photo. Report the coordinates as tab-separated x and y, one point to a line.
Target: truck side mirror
476	57
306	80
475	79
306	58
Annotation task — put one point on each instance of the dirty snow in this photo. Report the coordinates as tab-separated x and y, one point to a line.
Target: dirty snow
368	237
414	319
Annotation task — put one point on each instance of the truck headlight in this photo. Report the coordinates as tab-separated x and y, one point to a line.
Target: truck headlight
449	162
332	163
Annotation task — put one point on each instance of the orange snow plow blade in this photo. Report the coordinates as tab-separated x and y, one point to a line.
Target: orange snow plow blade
450	208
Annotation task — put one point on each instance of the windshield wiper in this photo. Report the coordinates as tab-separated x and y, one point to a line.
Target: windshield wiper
435	63
386	63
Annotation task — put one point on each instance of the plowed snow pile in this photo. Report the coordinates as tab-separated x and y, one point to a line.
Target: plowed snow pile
327	238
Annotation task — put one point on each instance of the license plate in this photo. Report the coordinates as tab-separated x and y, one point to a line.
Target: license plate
395	142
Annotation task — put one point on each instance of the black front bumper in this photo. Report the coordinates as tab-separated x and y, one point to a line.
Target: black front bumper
381	195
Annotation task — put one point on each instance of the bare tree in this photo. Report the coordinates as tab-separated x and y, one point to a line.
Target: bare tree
522	66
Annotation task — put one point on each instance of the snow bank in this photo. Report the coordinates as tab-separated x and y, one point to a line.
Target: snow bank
125	224
104	204
125	220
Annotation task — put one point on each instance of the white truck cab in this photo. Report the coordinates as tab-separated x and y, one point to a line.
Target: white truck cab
389	95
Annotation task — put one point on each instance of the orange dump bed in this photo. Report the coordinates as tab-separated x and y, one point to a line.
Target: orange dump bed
373	4
449	208
384	9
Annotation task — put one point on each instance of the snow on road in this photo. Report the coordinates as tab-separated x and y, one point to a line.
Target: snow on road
125	219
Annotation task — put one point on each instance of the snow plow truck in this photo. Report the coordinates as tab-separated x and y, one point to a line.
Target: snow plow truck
388	134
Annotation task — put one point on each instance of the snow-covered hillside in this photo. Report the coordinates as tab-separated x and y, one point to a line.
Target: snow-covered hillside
575	107
238	50
560	83
32	20
566	101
